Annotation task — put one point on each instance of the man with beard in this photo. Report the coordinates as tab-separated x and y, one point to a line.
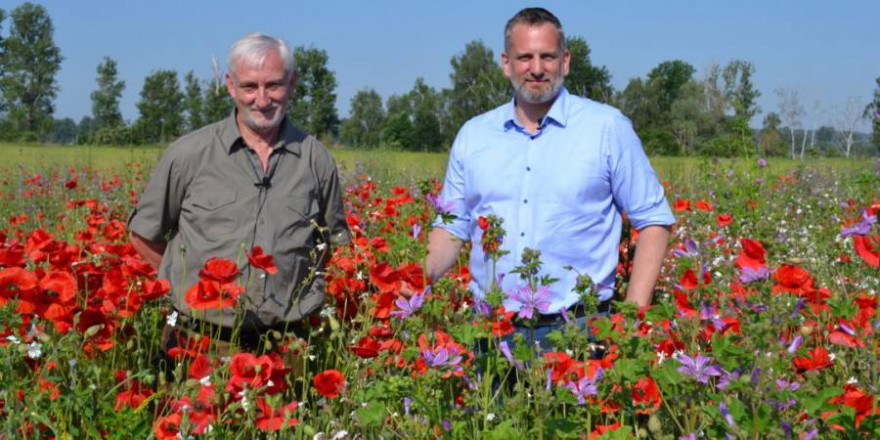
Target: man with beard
558	170
251	180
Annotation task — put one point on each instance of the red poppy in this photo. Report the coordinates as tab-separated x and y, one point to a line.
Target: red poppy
329	383
269	419
723	220
260	260
167	427
483	222
206	295
601	430
856	399
201	412
97	328
688	280
366	348
752	255
681	205
561	366
646	396
14	280
155	289
501	322
248	371
868	247
703	205
792	279
818	359
219	269
133	394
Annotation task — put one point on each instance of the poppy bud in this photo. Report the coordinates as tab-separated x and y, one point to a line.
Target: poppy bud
93	330
654	425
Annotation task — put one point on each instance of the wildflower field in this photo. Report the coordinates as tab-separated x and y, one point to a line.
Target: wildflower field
764	324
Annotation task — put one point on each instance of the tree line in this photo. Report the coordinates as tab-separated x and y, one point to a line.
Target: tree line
673	111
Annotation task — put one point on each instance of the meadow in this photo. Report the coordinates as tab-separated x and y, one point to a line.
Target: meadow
764	324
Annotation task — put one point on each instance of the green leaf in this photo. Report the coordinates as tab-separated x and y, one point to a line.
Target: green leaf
372	415
562	428
504	431
819	402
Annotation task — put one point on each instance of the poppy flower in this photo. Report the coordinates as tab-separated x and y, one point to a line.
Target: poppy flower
703	205
167	427
257	258
858	400
868	247
154	289
792	279
329	383
366	348
818	359
269	419
752	255
483	222
646	396
723	220
681	205
206	295
248	371
219	269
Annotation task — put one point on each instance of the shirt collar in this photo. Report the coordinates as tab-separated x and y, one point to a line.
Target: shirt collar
558	112
290	138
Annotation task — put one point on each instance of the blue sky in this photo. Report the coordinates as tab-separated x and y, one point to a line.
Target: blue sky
828	51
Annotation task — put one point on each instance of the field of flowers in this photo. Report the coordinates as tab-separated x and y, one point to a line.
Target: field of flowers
764	325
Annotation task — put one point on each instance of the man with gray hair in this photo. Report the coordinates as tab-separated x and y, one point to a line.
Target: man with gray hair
251	180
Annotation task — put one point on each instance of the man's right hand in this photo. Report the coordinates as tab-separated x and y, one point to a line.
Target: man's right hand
150	251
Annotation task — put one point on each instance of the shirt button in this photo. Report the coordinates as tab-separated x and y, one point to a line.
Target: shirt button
525	200
528	168
522	234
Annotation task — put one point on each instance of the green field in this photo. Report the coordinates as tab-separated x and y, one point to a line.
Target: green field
397	167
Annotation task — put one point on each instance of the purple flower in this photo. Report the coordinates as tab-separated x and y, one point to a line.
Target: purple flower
416	230
441	357
794	344
482	308
530	301
690	436
762	163
861	228
727	417
585	387
406	307
784	385
437	203
407	403
756	376
748	274
698	367
812	434
690	249
726	378
505	350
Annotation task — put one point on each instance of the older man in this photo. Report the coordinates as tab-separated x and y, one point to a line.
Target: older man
250	180
559	170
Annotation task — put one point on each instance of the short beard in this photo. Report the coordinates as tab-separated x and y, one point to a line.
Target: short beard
263	126
538	97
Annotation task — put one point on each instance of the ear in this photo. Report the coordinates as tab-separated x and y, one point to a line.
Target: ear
566	62
230	86
505	64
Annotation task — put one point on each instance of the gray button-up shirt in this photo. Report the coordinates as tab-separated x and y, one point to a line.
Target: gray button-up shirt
208	198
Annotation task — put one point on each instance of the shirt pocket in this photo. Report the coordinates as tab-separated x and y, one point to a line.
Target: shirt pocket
298	216
213	213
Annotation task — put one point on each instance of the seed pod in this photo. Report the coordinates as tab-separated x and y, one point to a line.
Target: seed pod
654	425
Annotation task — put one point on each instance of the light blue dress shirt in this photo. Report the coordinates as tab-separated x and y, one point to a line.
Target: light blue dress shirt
560	190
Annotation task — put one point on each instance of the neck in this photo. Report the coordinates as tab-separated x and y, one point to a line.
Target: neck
530	115
259	140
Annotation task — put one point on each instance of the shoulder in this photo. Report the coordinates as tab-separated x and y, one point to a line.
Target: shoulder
484	124
580	108
194	145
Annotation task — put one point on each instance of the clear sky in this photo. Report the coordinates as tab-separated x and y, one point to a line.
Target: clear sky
829	51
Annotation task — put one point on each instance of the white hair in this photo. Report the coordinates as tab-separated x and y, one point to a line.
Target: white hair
252	50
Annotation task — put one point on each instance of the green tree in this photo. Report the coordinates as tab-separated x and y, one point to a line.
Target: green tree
742	96
478	84
664	85
160	107
313	101
29	63
84	130
771	143
363	128
398	132
105	100
585	79
872	113
427	110
63	131
193	102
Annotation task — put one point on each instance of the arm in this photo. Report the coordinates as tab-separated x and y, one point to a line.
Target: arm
150	251
650	250
443	249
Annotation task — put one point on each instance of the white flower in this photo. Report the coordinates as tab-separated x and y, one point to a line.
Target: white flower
340	435
34	350
321	246
13	339
205	381
852	380
172	318
832	356
490	417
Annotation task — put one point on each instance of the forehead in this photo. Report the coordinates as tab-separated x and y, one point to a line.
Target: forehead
271	67
526	38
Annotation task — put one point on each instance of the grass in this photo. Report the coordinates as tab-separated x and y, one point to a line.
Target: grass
397	167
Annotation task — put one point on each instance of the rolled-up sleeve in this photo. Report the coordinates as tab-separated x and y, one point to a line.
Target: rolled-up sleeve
453	196
634	183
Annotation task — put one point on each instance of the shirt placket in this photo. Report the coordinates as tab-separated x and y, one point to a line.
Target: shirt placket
262	234
525	218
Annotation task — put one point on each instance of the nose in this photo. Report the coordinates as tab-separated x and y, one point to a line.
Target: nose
536	68
262	98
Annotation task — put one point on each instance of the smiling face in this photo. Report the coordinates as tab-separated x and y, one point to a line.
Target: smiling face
261	92
535	63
